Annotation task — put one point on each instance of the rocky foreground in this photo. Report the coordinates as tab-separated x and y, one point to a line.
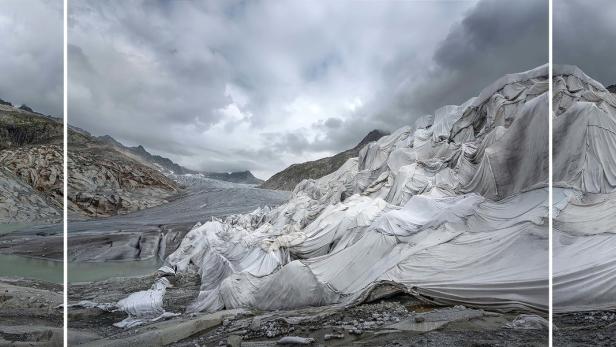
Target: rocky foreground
588	328
31	313
385	319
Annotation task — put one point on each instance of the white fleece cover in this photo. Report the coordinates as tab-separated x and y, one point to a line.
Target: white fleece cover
585	174
454	210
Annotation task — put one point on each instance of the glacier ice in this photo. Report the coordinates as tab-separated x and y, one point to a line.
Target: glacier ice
584	164
452	209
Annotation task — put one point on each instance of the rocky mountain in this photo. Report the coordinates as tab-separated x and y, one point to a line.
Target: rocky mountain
236	177
612	88
174	170
31	175
104	180
288	178
163	164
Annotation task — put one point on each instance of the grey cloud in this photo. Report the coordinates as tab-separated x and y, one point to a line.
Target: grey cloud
495	38
259	84
31	43
584	35
333	123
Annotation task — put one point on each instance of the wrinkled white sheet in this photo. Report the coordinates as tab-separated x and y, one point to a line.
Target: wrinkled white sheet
453	209
585	197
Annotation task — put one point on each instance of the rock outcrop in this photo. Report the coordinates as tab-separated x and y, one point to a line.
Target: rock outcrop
31	160
165	165
288	178
103	181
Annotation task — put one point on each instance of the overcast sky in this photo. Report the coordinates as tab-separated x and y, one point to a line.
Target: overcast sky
259	85
31	40
585	35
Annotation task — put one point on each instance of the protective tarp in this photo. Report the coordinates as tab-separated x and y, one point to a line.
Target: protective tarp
143	306
585	193
453	209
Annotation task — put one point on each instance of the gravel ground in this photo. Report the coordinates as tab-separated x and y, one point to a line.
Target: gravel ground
592	328
397	321
400	320
30	312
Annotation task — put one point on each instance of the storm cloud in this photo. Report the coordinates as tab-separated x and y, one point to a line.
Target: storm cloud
31	42
585	35
223	86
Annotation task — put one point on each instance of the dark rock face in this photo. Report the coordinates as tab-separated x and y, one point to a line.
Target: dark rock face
21	128
612	88
288	178
31	162
26	108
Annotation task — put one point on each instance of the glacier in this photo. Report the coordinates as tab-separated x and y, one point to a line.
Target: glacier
584	194
452	209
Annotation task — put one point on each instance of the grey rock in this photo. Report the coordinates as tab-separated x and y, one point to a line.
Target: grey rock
234	341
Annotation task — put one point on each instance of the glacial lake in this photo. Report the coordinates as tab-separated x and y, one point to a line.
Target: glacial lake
9	228
52	271
41	269
88	271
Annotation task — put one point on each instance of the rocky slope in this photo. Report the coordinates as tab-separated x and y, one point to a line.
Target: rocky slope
104	181
31	175
139	153
288	178
172	169
30	313
612	88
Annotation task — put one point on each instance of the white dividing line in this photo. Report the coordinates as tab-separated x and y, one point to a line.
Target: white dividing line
65	183
550	178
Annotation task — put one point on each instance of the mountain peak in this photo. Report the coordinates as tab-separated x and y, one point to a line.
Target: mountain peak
288	178
26	108
371	137
141	149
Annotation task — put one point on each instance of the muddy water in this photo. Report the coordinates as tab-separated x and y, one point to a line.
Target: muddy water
90	271
52	271
20	266
9	228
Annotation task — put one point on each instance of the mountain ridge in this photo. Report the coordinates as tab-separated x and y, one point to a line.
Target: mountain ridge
288	178
31	166
169	167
